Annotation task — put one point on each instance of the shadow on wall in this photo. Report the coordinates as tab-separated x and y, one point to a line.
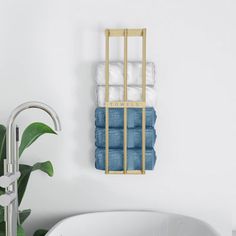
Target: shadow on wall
84	115
85	96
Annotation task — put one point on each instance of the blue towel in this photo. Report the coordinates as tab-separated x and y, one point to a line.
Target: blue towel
134	159
116	117
116	138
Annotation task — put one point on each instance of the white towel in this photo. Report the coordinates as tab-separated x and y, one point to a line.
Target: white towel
116	93
134	73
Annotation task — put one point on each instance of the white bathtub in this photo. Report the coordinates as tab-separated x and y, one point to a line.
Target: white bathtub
131	223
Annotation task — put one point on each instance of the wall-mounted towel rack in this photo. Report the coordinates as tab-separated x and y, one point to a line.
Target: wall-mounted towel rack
125	33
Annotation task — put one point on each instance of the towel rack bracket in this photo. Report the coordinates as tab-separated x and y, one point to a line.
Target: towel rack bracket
125	103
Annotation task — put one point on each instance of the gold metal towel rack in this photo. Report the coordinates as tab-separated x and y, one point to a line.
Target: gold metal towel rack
125	33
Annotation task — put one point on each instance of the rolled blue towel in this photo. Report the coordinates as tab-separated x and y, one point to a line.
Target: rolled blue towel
134	159
116	117
116	138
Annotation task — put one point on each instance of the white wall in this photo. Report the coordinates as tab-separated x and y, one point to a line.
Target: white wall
48	52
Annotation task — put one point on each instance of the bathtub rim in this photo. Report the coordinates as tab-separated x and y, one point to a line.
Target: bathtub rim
130	211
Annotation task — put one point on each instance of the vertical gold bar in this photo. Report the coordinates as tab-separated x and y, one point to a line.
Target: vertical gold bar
125	63
144	100
125	98
107	100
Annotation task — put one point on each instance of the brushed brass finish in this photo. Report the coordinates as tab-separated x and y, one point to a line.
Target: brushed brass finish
121	32
144	100
129	172
125	33
125	99
115	172
127	104
107	100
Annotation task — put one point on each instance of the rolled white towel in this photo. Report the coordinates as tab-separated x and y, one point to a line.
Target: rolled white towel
134	73
116	93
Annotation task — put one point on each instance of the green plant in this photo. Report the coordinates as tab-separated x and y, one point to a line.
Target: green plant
30	134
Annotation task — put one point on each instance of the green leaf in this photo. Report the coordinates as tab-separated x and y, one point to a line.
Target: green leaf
2	229
23	180
33	132
1	214
20	231
26	171
24	215
46	167
2	191
1	170
2	142
40	232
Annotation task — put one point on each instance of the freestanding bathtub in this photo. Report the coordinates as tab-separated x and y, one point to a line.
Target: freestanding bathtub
131	223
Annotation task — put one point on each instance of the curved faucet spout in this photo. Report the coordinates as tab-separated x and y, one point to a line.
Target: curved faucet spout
38	105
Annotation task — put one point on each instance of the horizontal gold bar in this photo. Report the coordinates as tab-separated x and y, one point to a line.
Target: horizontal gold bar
134	172
121	32
125	104
117	172
129	172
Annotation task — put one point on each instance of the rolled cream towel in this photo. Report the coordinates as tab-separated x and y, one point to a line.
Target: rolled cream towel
134	73
116	93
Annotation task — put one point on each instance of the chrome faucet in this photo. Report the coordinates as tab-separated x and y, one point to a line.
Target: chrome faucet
11	165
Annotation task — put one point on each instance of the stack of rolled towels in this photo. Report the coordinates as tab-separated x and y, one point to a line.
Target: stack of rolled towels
134	117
